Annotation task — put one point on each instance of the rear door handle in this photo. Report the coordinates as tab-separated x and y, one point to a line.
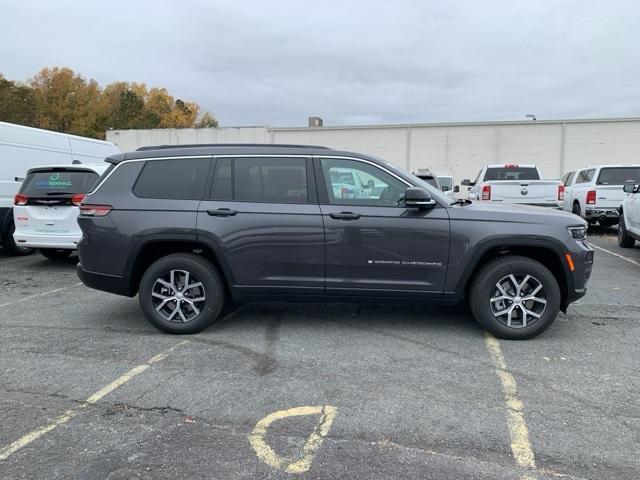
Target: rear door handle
345	216
222	212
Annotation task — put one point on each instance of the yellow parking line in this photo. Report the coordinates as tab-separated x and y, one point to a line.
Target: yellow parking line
520	445
616	254
25	440
265	452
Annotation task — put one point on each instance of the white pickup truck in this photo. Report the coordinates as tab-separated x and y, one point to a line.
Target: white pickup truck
515	184
595	193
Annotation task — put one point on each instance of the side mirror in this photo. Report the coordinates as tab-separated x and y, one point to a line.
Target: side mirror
445	188
370	184
456	189
466	182
415	197
629	187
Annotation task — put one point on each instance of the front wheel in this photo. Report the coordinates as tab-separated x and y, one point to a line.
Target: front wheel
624	240
515	297
181	293
55	253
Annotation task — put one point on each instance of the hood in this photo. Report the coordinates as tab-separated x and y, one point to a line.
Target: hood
494	212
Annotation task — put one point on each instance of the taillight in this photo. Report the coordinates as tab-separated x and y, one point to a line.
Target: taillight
95	210
591	197
20	200
77	199
486	192
560	192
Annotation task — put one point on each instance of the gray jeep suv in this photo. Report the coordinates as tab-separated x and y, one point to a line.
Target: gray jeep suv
188	227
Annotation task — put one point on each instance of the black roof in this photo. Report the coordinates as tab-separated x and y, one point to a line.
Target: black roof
220	149
200	145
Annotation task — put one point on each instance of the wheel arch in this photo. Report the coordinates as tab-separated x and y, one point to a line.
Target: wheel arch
7	220
156	248
546	252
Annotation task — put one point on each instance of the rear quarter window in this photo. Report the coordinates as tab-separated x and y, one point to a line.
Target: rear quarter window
174	179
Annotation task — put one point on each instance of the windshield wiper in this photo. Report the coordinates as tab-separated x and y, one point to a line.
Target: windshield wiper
59	193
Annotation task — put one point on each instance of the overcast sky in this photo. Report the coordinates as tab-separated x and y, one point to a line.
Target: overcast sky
349	62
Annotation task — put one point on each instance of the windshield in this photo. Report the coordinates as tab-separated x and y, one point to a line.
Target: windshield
618	176
58	182
513	172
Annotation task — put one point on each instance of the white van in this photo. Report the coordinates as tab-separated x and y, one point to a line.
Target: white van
46	207
22	148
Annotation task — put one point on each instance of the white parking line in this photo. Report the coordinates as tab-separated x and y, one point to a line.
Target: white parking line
26	439
42	294
616	255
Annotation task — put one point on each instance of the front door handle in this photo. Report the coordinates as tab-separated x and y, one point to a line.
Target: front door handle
222	212
345	216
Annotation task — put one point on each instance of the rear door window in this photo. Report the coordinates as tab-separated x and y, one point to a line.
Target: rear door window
269	179
174	179
222	188
511	173
58	183
585	176
618	175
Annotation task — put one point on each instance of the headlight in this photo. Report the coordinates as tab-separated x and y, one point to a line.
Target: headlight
579	233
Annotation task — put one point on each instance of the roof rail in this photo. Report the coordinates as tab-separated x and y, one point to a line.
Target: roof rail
201	145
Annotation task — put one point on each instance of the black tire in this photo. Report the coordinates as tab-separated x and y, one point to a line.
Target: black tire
624	240
55	253
484	287
10	246
576	209
200	269
608	223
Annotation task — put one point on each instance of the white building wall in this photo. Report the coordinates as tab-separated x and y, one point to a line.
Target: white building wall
459	149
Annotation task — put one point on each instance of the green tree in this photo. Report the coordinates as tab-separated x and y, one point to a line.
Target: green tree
206	120
66	101
16	103
61	100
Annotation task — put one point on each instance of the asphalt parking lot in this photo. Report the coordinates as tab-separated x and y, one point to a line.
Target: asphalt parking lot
90	391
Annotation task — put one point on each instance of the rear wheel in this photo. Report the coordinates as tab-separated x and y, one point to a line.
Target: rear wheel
624	240
55	253
576	209
515	297
181	293
10	246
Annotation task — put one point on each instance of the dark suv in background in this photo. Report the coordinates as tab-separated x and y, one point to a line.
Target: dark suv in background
187	227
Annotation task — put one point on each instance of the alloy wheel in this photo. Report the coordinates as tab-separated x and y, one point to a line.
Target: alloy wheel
178	296
518	300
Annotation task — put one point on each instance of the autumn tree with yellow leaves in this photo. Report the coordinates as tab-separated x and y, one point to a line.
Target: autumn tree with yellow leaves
61	100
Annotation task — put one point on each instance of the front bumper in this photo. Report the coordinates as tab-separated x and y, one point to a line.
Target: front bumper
579	277
65	242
